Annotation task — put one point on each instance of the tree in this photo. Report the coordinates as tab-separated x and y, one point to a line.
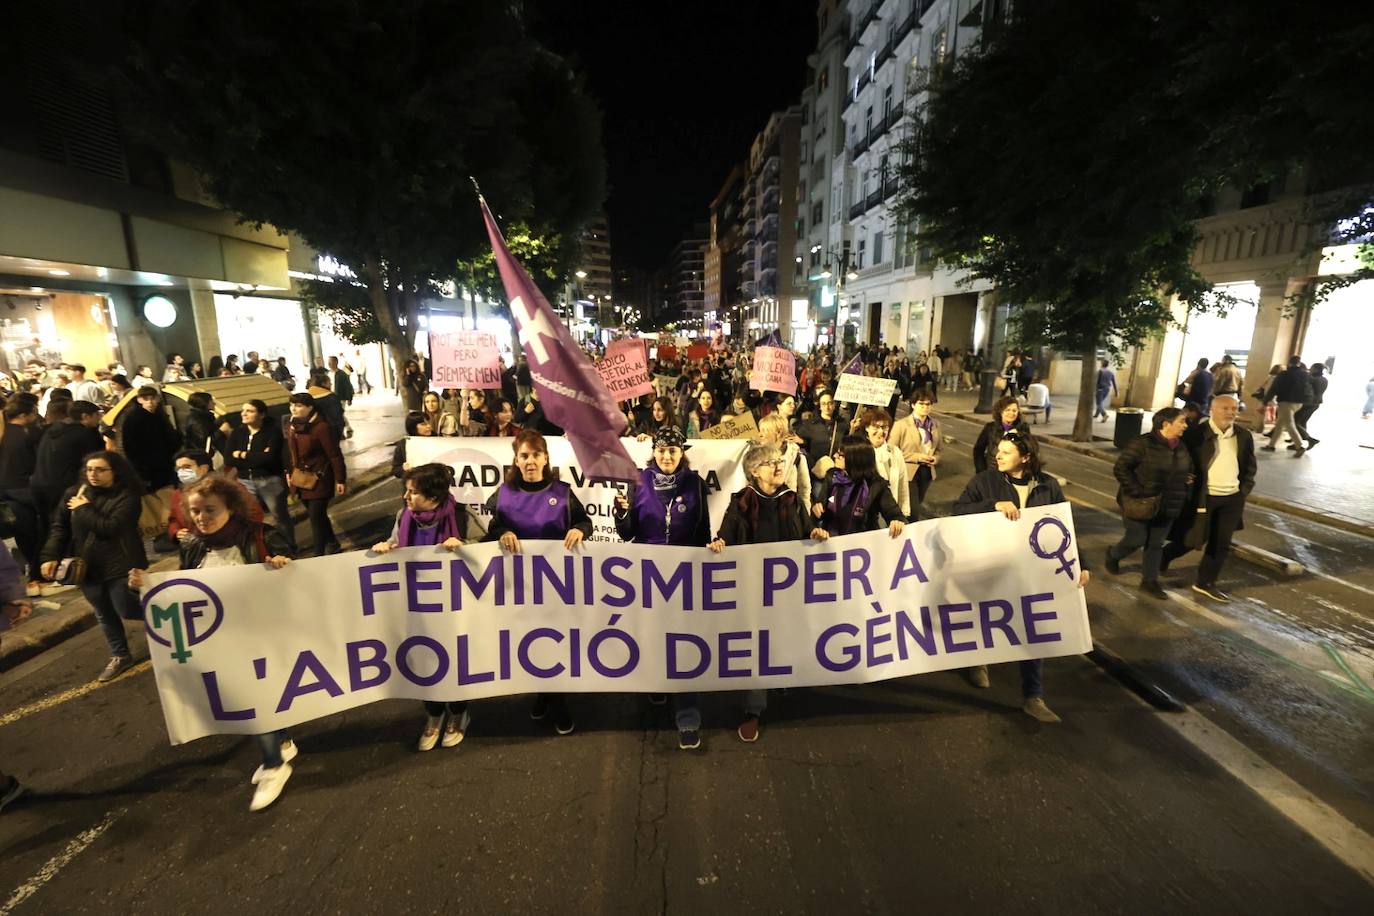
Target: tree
357	126
1066	160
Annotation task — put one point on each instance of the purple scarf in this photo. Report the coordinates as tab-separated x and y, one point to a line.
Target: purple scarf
844	495
416	529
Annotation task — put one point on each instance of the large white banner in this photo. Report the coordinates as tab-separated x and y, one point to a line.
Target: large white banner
481	461
244	650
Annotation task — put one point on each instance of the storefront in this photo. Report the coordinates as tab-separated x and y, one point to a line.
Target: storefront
56	327
273	328
1212	335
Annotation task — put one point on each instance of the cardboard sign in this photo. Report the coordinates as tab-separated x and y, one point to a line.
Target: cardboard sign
698	351
465	359
625	370
739	427
667	353
775	369
860	389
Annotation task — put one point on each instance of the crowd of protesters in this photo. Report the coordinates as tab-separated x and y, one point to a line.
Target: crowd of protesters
817	468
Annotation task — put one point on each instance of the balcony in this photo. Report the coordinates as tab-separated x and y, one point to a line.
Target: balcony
890	187
869	20
907	25
771	167
876	131
864	80
860	145
751	226
749	266
885	54
893	116
857	210
873	199
749	288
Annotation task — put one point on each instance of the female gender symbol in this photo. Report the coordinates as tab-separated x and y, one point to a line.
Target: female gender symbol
1065	564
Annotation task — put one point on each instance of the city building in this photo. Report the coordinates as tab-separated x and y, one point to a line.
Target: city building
687	277
823	236
721	294
769	286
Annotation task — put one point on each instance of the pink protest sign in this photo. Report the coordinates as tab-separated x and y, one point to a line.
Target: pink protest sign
465	359
625	370
775	369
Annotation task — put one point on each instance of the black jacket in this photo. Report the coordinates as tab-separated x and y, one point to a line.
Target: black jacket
1201	443
1292	386
18	455
988	488
264	458
103	532
881	510
985	448
201	431
1317	389
1147	466
254	549
742	519
149	442
60	454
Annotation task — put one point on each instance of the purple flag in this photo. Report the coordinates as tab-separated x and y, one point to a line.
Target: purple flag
570	389
855	367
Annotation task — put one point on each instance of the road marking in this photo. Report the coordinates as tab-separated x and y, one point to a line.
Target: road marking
58	699
79	844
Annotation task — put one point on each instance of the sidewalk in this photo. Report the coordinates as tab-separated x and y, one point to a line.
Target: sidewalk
377	422
1331	483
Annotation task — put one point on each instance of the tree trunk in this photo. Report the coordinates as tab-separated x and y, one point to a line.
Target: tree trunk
1087	397
387	304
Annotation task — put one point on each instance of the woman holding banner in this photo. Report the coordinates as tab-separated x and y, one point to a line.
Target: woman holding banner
764	512
534	504
226	536
853	498
669	507
1016	483
432	518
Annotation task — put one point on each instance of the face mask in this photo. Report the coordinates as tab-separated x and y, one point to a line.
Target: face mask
187	475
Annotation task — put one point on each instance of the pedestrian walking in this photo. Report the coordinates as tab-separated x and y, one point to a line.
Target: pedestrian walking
1224	465
18	462
1197	387
1106	389
253	454
430	517
225	536
763	512
668	507
1153	474
94	541
1317	382
533	504
343	385
1017	482
920	439
1292	389
315	469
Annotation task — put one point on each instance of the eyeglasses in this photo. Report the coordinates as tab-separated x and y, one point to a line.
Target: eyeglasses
775	463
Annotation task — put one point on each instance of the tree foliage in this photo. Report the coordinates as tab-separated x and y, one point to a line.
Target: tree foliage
357	125
1066	160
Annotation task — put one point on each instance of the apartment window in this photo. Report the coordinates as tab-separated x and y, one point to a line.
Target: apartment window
877	248
868	120
883	168
817	212
887	100
823	77
803	151
859	261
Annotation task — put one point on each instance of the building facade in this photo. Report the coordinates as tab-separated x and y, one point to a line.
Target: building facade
721	295
769	288
687	277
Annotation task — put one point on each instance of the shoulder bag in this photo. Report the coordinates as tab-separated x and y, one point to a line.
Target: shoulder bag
1140	508
72	570
302	478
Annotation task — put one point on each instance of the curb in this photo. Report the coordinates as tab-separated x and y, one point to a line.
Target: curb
1353	526
1118	668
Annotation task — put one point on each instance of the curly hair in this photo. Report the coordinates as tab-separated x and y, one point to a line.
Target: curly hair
232	494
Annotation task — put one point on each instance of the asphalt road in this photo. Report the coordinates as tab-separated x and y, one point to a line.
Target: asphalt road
914	794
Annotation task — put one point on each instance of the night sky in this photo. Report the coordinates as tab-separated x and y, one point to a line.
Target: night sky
684	87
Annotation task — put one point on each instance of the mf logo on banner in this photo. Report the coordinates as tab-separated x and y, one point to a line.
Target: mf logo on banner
181	614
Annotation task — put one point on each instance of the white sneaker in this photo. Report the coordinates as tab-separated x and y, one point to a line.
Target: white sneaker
429	737
456	732
269	786
289	752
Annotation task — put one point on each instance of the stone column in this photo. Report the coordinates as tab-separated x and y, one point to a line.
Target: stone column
1273	341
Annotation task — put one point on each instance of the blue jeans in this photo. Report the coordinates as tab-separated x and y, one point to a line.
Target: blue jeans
1101	403
271	494
1032	680
113	603
686	711
1149	535
755	702
270	745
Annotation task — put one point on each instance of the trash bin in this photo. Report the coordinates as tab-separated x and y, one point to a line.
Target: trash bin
1128	421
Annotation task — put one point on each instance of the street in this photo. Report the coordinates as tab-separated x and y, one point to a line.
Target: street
922	792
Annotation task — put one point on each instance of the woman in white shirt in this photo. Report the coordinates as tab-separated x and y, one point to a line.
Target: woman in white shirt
876	424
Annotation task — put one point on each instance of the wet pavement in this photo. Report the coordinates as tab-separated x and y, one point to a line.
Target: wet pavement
919	792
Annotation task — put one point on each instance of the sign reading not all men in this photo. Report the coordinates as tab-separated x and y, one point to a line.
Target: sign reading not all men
465	359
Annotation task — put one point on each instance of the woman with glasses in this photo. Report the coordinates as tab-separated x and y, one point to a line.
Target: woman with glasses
853	497
1016	482
920	439
876	424
764	512
97	522
1006	413
432	518
668	506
